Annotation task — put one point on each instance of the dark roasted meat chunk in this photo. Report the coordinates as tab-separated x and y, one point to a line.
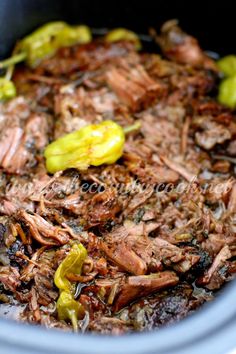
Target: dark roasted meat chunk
181	47
134	86
144	285
24	135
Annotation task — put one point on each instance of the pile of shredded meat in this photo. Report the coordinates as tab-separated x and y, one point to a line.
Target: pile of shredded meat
159	225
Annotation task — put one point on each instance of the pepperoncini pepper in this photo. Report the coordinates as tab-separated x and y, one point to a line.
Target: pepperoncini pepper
7	89
227	87
227	92
45	41
95	144
71	264
227	65
119	34
67	307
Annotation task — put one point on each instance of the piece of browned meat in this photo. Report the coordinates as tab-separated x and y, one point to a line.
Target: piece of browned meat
144	285
181	47
134	86
23	136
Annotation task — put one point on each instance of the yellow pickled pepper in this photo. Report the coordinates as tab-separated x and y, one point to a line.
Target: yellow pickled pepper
95	144
227	87
45	41
123	34
67	307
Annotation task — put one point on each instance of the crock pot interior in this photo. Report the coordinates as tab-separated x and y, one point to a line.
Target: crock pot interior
213	24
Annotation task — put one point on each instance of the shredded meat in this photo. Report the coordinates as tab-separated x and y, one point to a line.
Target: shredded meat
125	258
133	85
22	138
9	277
180	47
212	134
159	225
144	285
43	231
210	278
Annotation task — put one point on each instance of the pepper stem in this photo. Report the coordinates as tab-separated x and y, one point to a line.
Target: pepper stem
131	128
17	58
74	321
